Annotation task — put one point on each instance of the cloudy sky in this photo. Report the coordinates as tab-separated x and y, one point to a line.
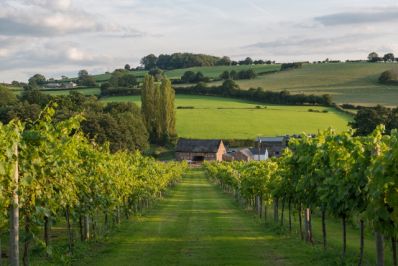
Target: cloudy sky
56	37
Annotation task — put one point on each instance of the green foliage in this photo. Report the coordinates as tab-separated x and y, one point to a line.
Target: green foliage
192	77
63	172
84	79
373	57
367	119
37	80
120	124
122	78
242	74
289	66
7	97
158	109
340	174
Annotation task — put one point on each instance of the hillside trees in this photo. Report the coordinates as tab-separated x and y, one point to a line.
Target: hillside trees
84	79
120	124
243	74
289	66
192	77
7	97
158	109
122	78
149	61
224	61
389	57
367	119
182	60
373	57
37	80
247	61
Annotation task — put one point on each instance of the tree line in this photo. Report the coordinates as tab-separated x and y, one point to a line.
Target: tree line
186	60
238	75
374	57
51	174
332	175
83	79
229	88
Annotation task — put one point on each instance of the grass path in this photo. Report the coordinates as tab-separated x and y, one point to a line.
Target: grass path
199	225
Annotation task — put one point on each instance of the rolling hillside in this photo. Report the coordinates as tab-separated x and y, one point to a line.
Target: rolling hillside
355	83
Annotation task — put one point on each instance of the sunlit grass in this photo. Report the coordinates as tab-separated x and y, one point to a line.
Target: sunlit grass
215	117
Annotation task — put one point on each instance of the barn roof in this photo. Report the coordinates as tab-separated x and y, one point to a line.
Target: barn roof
198	145
256	151
271	139
247	152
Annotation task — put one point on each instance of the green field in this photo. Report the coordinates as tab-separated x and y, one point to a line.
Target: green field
54	92
214	117
85	91
212	71
355	83
215	71
200	225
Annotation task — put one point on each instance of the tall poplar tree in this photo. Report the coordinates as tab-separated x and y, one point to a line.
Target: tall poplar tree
167	111
158	110
148	103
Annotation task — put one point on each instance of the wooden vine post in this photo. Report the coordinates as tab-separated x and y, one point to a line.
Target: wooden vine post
14	215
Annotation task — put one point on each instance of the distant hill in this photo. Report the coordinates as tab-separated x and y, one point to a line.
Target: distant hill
355	83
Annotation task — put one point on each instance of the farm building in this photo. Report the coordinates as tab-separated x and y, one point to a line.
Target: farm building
274	145
259	154
69	85
200	150
244	154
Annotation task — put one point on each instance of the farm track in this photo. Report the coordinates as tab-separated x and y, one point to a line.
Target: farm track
196	225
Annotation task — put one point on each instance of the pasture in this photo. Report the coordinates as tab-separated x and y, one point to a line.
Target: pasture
355	83
214	117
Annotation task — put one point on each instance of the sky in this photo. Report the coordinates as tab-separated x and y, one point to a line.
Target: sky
60	37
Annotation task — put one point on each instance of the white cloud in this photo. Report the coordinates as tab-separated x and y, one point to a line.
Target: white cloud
376	15
4	52
51	36
51	4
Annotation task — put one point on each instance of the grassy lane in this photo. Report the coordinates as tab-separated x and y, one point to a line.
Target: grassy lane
198	225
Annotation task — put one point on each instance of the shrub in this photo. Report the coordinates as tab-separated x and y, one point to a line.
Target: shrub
389	76
289	66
